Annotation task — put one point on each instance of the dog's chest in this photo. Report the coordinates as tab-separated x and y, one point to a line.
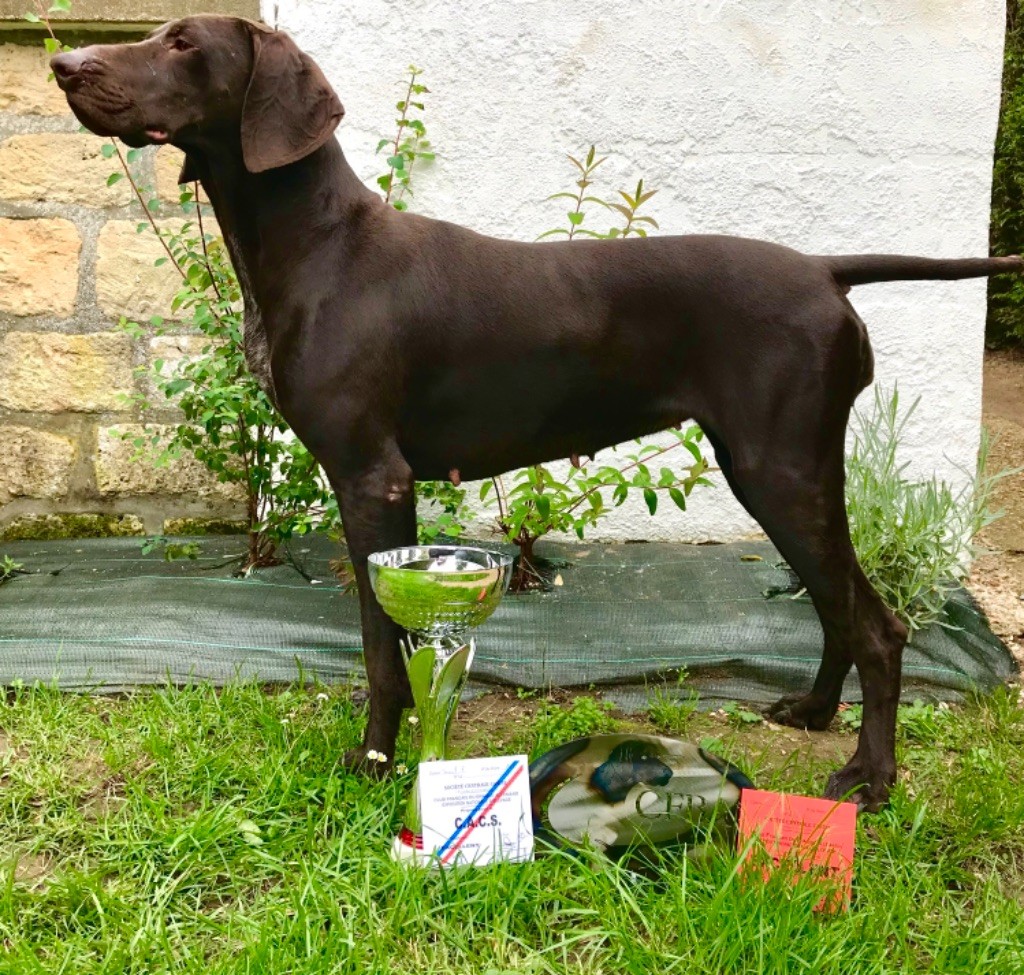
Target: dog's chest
254	336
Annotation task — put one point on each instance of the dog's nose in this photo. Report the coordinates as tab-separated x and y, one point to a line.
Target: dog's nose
67	65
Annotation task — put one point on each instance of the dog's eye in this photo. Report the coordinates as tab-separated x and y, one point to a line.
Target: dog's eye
180	44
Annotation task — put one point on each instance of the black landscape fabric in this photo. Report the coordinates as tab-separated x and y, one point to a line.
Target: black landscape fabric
98	614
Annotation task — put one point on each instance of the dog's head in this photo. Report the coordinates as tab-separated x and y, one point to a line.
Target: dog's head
204	81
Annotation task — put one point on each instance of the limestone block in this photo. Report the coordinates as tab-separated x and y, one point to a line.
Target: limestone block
38	267
203	526
74	525
34	463
48	372
128	282
59	167
167	164
24	88
171	351
120	472
102	14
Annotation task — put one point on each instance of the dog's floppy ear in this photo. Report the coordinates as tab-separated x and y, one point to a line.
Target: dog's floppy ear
290	109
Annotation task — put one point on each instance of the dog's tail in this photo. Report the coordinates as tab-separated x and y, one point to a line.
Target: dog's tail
853	269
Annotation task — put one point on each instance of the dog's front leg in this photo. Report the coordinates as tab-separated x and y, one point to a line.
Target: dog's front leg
378	511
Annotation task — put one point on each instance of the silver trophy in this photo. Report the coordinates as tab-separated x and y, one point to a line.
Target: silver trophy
436	593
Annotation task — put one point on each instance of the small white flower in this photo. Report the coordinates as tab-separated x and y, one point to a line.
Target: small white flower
413	719
401	768
372	755
381	757
285	720
323	697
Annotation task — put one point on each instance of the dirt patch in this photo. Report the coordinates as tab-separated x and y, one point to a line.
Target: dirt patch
104	800
1004	384
997	579
102	793
33	869
492	719
497	720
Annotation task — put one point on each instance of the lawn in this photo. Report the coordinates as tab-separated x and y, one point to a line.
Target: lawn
203	831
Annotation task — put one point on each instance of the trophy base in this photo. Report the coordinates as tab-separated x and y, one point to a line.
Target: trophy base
407	848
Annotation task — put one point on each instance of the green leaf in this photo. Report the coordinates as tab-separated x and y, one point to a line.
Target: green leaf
694	451
32	18
651	497
575	218
396	162
114	178
51	44
106	150
544	506
678	497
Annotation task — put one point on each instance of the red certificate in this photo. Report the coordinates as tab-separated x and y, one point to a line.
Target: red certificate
815	835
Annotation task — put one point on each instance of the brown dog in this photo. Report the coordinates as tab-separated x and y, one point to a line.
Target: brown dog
400	348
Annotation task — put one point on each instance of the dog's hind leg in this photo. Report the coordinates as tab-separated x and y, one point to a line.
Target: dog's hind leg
794	489
378	512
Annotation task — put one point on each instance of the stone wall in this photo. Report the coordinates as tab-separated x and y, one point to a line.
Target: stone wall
71	265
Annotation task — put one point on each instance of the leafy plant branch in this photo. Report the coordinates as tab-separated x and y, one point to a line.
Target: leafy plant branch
409	145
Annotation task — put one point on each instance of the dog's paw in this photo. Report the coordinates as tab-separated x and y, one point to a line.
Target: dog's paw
801	711
850	784
368	761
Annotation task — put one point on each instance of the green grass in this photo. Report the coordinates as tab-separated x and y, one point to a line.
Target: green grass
210	832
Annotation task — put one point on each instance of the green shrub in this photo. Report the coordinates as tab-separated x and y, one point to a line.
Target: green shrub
670	711
913	538
1006	292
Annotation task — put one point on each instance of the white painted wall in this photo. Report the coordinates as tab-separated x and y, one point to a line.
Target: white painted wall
832	126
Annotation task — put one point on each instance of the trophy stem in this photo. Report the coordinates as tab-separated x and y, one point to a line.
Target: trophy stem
438	670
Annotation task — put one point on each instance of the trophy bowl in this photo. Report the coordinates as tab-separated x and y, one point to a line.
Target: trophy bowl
439	591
